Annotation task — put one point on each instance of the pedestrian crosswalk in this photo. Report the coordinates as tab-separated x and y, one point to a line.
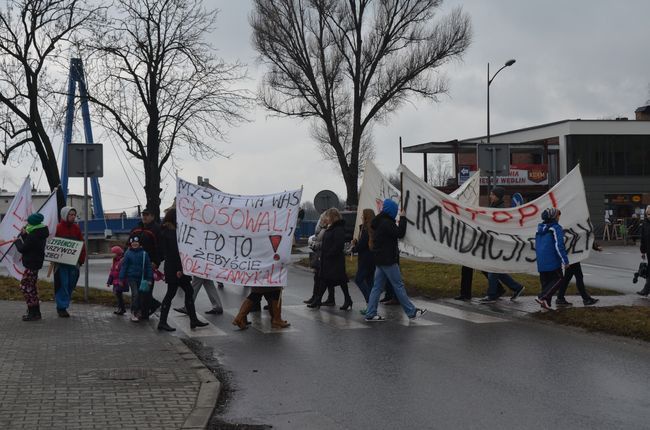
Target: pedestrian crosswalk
437	315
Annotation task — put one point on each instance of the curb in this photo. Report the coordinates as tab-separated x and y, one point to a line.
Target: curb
208	393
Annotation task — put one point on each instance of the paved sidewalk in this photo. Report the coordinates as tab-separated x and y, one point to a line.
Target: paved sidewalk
97	370
526	305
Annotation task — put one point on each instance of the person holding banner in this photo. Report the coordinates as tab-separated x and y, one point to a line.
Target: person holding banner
67	275
332	260
494	279
575	269
386	252
365	263
174	275
551	255
31	244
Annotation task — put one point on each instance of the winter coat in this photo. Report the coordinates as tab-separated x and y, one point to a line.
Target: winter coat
70	230
549	247
645	236
169	253
332	269
32	247
385	236
362	248
131	269
319	232
114	274
149	240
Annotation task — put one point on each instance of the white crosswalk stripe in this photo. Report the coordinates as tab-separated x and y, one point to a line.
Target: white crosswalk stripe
263	323
182	322
325	317
461	314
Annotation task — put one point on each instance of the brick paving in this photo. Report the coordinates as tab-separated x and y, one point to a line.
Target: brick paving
94	370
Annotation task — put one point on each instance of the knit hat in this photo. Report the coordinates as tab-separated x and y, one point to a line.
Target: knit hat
499	192
134	239
389	207
550	214
65	210
35	219
516	200
117	250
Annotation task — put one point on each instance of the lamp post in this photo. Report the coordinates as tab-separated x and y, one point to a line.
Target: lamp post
493	150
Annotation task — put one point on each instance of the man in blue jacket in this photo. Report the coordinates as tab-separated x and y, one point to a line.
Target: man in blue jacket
551	255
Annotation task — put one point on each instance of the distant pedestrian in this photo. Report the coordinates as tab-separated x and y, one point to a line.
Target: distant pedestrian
135	269
332	261
551	255
365	275
496	279
645	247
575	269
174	274
67	275
31	244
386	234
114	280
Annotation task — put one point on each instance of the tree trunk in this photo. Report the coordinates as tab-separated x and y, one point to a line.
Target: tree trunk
351	184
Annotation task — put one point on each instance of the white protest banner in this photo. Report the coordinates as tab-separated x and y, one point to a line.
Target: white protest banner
243	240
375	187
63	251
50	212
493	239
14	220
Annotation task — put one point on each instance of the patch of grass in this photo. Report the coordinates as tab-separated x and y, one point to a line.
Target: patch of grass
10	290
438	281
628	321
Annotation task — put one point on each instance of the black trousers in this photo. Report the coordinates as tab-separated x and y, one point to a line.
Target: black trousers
172	287
466	276
551	282
574	270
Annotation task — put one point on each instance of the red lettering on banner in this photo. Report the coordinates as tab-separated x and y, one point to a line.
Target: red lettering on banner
527	211
451	206
553	200
497	214
475	212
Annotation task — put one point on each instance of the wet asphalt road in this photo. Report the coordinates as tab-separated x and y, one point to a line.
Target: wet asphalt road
331	370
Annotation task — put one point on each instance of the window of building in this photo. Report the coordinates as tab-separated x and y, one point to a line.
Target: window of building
609	155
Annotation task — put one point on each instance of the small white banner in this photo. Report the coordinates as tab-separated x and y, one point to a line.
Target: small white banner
63	251
500	240
235	239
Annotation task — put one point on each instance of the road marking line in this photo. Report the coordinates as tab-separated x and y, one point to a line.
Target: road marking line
182	323
263	323
325	317
461	314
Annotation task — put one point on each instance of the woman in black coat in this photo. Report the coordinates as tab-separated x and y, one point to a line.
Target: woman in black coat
332	269
174	274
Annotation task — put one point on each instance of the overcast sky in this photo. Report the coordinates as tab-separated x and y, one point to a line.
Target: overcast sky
575	59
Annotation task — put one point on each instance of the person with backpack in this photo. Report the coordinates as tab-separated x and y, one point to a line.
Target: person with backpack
551	255
31	244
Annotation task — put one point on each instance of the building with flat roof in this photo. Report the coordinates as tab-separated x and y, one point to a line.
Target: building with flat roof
614	158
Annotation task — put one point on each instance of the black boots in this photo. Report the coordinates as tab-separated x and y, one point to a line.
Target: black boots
347	304
191	311
33	313
646	289
162	324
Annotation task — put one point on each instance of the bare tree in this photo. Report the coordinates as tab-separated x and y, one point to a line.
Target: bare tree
160	86
32	36
348	64
439	170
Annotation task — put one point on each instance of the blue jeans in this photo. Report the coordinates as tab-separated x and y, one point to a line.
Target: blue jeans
65	281
365	279
394	276
493	283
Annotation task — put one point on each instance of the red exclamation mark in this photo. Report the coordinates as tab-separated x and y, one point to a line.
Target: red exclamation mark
275	243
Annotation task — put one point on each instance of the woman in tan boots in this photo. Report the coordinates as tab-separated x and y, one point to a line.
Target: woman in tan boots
273	295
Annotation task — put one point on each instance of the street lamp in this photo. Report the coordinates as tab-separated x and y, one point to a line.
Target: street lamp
489	81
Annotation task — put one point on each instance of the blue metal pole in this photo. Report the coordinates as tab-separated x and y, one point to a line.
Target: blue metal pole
67	134
98	209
